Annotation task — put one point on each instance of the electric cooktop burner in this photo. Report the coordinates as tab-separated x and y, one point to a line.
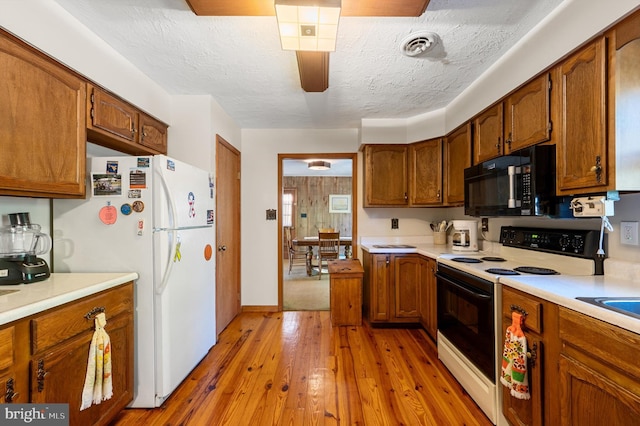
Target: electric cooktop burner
535	270
502	271
494	259
466	260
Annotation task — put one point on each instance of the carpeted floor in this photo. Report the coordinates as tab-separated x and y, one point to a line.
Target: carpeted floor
303	293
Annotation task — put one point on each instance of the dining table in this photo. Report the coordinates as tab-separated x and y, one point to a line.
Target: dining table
311	242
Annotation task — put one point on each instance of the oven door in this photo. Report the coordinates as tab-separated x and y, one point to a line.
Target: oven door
465	316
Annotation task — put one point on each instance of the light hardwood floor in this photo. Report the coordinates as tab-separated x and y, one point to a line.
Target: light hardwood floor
293	368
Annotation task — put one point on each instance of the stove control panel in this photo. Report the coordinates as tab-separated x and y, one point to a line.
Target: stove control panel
578	243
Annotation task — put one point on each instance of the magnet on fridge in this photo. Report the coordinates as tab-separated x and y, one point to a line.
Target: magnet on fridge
112	167
137	206
125	209
108	214
191	199
140	229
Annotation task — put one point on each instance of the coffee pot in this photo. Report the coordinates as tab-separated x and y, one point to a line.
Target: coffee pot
20	244
465	235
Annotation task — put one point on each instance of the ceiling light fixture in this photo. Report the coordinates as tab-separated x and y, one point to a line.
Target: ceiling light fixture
308	25
319	165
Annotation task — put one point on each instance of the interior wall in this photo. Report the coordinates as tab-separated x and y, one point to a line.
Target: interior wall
312	209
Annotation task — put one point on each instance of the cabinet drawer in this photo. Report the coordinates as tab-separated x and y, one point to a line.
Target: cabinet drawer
532	306
74	318
7	336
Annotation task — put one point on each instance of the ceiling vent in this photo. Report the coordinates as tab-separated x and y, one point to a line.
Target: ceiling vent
418	43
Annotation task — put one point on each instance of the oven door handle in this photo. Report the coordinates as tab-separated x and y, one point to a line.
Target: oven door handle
465	289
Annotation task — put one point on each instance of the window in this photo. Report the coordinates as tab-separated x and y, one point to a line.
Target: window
287	209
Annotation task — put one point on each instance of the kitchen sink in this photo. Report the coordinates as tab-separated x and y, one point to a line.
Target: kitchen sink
624	305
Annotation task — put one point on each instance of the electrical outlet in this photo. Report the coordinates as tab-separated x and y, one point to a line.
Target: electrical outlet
394	223
485	224
629	233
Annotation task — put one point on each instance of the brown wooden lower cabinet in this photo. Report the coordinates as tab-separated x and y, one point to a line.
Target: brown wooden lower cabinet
599	372
540	328
428	296
391	287
51	366
586	371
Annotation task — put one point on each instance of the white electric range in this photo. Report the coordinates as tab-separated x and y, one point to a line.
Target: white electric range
469	302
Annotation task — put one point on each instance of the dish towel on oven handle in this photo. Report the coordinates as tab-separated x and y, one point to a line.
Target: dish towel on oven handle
98	383
514	359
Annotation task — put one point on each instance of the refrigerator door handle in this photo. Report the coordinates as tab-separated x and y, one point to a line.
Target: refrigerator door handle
170	260
174	240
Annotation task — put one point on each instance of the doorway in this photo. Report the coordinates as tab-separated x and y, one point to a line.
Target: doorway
227	233
304	198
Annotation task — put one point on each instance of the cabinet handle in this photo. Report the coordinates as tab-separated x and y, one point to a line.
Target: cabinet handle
387	258
438	194
406	196
95	311
508	141
41	374
533	354
222	248
598	169
498	145
10	395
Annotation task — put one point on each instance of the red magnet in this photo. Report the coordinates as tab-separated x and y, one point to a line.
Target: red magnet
108	214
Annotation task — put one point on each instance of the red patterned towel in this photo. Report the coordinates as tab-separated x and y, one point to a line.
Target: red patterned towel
514	359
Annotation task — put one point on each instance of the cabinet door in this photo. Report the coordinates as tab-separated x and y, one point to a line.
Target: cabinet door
112	116
42	124
527	411
582	151
457	158
590	397
406	284
58	374
379	285
487	134
153	133
428	300
385	175
425	173
527	115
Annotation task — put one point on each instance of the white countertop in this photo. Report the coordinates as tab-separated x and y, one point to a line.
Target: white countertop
563	290
423	246
559	289
57	290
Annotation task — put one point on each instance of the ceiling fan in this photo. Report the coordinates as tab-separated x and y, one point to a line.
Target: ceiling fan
312	66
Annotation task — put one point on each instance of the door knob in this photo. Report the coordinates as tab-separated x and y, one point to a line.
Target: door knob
222	248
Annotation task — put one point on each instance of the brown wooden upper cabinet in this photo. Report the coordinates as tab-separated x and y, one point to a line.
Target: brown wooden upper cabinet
42	124
425	173
582	148
488	134
119	125
457	157
528	115
385	175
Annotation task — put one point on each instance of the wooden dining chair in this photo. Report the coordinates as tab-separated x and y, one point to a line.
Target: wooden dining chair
328	248
297	255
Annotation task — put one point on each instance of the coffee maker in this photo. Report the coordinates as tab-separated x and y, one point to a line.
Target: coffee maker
465	235
20	244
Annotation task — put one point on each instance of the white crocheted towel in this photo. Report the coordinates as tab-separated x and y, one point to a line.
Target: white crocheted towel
98	383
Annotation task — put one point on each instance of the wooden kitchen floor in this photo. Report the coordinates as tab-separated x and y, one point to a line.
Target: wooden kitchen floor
293	368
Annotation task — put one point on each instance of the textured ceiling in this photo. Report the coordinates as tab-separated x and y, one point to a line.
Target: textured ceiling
238	60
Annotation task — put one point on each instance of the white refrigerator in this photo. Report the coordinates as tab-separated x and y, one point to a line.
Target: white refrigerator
152	215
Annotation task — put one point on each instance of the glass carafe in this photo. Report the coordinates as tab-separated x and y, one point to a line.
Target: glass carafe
22	238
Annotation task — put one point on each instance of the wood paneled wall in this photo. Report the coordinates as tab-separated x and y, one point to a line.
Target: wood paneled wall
313	201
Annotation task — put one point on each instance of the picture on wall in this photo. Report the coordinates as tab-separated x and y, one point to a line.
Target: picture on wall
340	203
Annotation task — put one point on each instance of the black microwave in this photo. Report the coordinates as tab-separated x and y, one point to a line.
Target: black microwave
522	183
